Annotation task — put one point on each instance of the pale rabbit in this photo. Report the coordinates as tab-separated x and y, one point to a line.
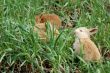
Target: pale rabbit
84	42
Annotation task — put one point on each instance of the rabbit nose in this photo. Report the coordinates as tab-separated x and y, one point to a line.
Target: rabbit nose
75	32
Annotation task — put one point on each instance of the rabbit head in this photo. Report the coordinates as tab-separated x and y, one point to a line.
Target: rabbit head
84	32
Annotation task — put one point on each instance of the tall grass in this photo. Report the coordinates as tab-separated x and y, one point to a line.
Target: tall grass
22	50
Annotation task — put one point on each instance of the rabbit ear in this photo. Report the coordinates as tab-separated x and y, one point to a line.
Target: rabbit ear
93	30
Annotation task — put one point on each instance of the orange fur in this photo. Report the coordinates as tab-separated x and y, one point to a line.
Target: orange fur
40	24
52	18
41	30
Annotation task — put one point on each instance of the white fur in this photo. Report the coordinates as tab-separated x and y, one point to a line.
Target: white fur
90	50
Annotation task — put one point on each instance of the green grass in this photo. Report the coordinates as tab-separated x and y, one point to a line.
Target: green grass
21	49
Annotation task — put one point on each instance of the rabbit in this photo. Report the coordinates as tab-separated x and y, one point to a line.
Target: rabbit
41	20
90	50
42	30
52	18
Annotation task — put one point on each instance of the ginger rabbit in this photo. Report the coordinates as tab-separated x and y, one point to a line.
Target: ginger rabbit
42	30
90	50
41	20
52	18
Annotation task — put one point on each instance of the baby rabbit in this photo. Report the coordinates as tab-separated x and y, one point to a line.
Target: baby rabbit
41	20
42	30
91	52
52	18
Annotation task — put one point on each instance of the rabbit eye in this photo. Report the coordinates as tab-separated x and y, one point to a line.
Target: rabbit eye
80	30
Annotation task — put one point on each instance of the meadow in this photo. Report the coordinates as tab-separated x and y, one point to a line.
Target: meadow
21	50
